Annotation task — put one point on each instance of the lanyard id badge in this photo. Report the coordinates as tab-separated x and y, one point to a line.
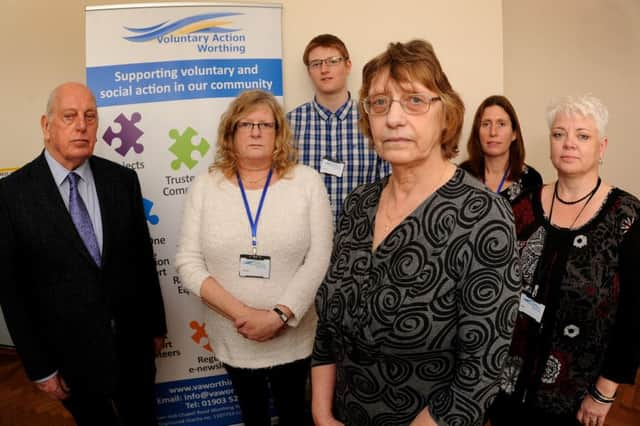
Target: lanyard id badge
252	265
504	178
531	308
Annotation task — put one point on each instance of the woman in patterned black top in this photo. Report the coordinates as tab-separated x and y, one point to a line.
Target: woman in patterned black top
496	150
579	241
417	309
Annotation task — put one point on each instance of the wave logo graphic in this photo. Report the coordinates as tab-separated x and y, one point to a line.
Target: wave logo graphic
196	24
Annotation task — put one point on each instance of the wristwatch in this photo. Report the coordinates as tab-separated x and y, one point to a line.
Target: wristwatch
284	317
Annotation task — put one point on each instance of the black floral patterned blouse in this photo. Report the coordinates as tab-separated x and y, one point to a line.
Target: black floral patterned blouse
587	280
528	181
426	319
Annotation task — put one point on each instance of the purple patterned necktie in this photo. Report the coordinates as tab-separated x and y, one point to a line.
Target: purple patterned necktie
81	219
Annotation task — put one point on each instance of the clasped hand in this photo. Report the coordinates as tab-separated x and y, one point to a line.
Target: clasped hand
259	325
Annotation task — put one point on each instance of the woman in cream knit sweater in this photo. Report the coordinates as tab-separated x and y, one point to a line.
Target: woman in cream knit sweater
255	245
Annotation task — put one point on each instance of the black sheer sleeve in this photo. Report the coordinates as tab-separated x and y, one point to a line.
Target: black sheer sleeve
623	355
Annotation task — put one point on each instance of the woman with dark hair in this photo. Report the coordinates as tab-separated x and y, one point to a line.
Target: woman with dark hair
496	150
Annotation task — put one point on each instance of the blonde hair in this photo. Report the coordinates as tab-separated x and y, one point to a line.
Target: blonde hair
285	155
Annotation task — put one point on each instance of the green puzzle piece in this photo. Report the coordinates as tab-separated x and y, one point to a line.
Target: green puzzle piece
182	148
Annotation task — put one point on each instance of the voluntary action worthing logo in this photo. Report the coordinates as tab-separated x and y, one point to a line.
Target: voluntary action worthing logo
203	28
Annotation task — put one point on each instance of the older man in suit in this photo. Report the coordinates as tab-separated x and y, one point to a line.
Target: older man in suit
79	288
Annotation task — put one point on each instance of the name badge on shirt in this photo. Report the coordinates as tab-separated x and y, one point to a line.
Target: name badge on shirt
531	307
331	167
255	266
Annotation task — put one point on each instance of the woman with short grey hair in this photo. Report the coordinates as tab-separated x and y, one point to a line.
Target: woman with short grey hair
579	237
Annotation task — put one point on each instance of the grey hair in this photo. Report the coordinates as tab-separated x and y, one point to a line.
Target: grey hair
51	101
585	105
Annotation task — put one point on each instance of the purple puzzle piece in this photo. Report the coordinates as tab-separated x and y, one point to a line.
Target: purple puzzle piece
128	135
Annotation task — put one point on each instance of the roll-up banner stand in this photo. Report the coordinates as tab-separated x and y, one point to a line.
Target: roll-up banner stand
162	75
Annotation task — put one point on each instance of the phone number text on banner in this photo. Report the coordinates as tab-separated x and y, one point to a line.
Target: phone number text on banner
198	401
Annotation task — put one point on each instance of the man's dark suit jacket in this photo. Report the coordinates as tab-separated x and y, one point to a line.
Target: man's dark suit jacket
93	325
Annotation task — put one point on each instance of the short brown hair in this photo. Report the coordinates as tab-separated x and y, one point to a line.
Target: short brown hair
475	163
416	62
325	40
284	154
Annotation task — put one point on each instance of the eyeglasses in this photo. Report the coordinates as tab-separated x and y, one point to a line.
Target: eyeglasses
333	61
247	126
411	103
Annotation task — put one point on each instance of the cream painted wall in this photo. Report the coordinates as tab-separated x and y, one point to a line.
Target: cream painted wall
555	48
42	44
551	48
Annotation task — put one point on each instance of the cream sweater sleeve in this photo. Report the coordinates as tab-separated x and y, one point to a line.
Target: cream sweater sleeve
190	261
301	290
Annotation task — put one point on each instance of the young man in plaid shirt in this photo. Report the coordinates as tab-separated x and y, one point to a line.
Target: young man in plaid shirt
326	128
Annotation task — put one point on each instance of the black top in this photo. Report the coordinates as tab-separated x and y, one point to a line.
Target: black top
529	179
587	280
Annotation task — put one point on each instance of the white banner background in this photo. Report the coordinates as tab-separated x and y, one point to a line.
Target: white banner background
160	94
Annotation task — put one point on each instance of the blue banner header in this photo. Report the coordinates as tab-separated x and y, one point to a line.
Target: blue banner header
195	79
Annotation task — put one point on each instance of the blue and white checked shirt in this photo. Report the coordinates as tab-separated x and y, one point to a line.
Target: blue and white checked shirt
321	133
